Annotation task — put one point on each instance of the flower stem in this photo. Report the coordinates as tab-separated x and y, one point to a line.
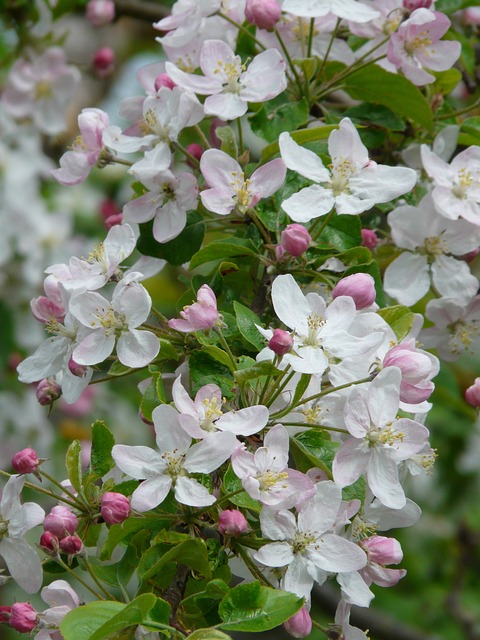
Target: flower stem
46	492
255	571
225	346
329	48
80	580
289	60
48	477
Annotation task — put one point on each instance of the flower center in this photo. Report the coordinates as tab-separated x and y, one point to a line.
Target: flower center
241	187
463	334
302	540
269	479
315	323
3	529
392	21
174	464
463	183
56	328
111	321
386	436
43	90
433	246
213	411
418	44
342	171
230	71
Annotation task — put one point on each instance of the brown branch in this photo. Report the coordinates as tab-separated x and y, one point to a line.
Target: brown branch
149	11
380	625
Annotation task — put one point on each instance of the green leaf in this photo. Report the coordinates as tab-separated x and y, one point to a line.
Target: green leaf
376	114
81	623
399	318
119	532
279	115
374	84
134	613
118	369
232	483
251	607
192	553
167	351
152	398
313	449
120	572
470	131
246	321
229	142
259	369
178	250
342	232
446	81
219	355
101	460
73	462
220	249
450	6
302	136
206	370
208	634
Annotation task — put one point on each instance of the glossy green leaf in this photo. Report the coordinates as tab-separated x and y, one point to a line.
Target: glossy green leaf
259	369
208	634
134	613
246	321
73	462
192	553
374	84
219	355
101	460
376	114
278	115
311	449
399	318
81	623
221	249
118	369
251	607
206	370
232	484
180	249
342	232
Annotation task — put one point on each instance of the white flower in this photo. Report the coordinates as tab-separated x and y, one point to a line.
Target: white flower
62	599
115	322
15	520
170	468
306	547
348	9
354	184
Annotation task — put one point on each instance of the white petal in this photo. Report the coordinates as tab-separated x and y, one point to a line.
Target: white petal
150	493
301	160
137	348
276	554
192	493
309	203
23	563
138	462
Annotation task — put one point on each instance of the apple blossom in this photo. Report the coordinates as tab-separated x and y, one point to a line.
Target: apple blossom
354	184
109	323
265	475
171	468
263	13
348	9
229	189
359	286
416	44
379	440
418	367
472	394
226	82
16	519
201	315
62	599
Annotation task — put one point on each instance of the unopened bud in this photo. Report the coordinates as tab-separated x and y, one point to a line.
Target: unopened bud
382	550
100	12
23	617
71	545
49	542
48	390
359	286
281	342
104	62
115	507
369	238
164	80
117	218
25	461
299	625
78	370
411	5
196	151
5	614
472	394
60	521
232	522
263	13
295	239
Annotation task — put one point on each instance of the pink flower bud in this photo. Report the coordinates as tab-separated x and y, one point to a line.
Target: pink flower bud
25	461
295	239
72	545
104	62
201	315
232	522
471	16
195	150
263	13
78	370
5	614
23	617
49	542
100	12
60	521
417	367
382	550
164	80
411	5
48	391
281	342
109	208
369	238
114	220
359	286
299	625
44	309
115	507
472	394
